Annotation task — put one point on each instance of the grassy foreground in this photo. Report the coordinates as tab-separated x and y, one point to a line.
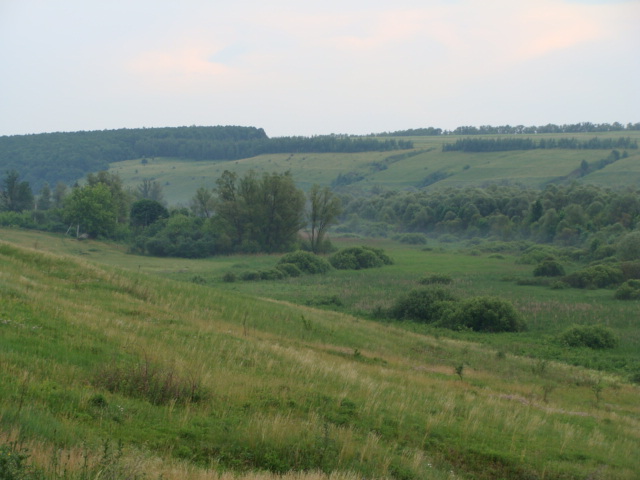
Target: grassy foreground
108	373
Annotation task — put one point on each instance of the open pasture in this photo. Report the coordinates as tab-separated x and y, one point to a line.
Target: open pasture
405	169
121	372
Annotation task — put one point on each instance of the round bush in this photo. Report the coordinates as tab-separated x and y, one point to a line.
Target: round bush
597	276
306	262
548	268
489	314
289	269
629	290
592	336
425	305
357	258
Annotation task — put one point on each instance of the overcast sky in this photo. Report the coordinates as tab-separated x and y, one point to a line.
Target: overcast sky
310	68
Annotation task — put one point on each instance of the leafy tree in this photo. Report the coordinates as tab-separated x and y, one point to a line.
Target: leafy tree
260	214
203	203
146	211
59	193
629	246
120	198
324	208
150	189
44	200
15	195
92	210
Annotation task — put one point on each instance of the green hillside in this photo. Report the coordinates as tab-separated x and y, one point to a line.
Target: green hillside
424	166
113	373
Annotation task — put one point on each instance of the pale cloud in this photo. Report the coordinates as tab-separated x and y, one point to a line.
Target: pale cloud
295	67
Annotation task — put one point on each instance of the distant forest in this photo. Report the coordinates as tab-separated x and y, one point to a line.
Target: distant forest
583	127
519	143
68	156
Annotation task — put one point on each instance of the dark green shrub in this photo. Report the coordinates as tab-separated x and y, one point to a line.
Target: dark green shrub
273	274
630	270
14	465
629	247
357	258
250	276
427	305
592	336
436	278
629	290
488	314
548	268
289	269
306	262
597	276
229	277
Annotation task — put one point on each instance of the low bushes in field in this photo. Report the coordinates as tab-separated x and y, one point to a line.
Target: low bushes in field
158	384
597	337
596	276
549	268
438	306
425	305
488	314
629	290
306	262
357	258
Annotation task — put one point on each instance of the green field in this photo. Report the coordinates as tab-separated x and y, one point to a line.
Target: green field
120	366
180	178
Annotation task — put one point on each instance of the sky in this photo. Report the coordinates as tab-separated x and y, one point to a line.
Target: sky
314	68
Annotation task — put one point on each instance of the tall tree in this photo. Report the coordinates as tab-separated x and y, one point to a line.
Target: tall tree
44	200
151	190
260	213
203	203
16	196
120	197
91	210
324	208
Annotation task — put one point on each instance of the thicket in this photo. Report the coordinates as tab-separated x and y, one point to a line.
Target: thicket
592	336
581	216
440	307
549	268
629	290
358	258
306	262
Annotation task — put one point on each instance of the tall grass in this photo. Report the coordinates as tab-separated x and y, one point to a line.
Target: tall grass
287	391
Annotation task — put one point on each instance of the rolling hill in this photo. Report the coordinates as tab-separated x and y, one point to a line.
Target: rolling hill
424	166
111	373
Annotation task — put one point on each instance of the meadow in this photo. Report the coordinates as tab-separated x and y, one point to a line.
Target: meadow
406	169
119	366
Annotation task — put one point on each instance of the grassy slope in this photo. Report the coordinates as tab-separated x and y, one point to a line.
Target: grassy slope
280	386
533	168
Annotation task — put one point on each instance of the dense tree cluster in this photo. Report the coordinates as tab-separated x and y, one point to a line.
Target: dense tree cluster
68	156
582	127
567	215
516	143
